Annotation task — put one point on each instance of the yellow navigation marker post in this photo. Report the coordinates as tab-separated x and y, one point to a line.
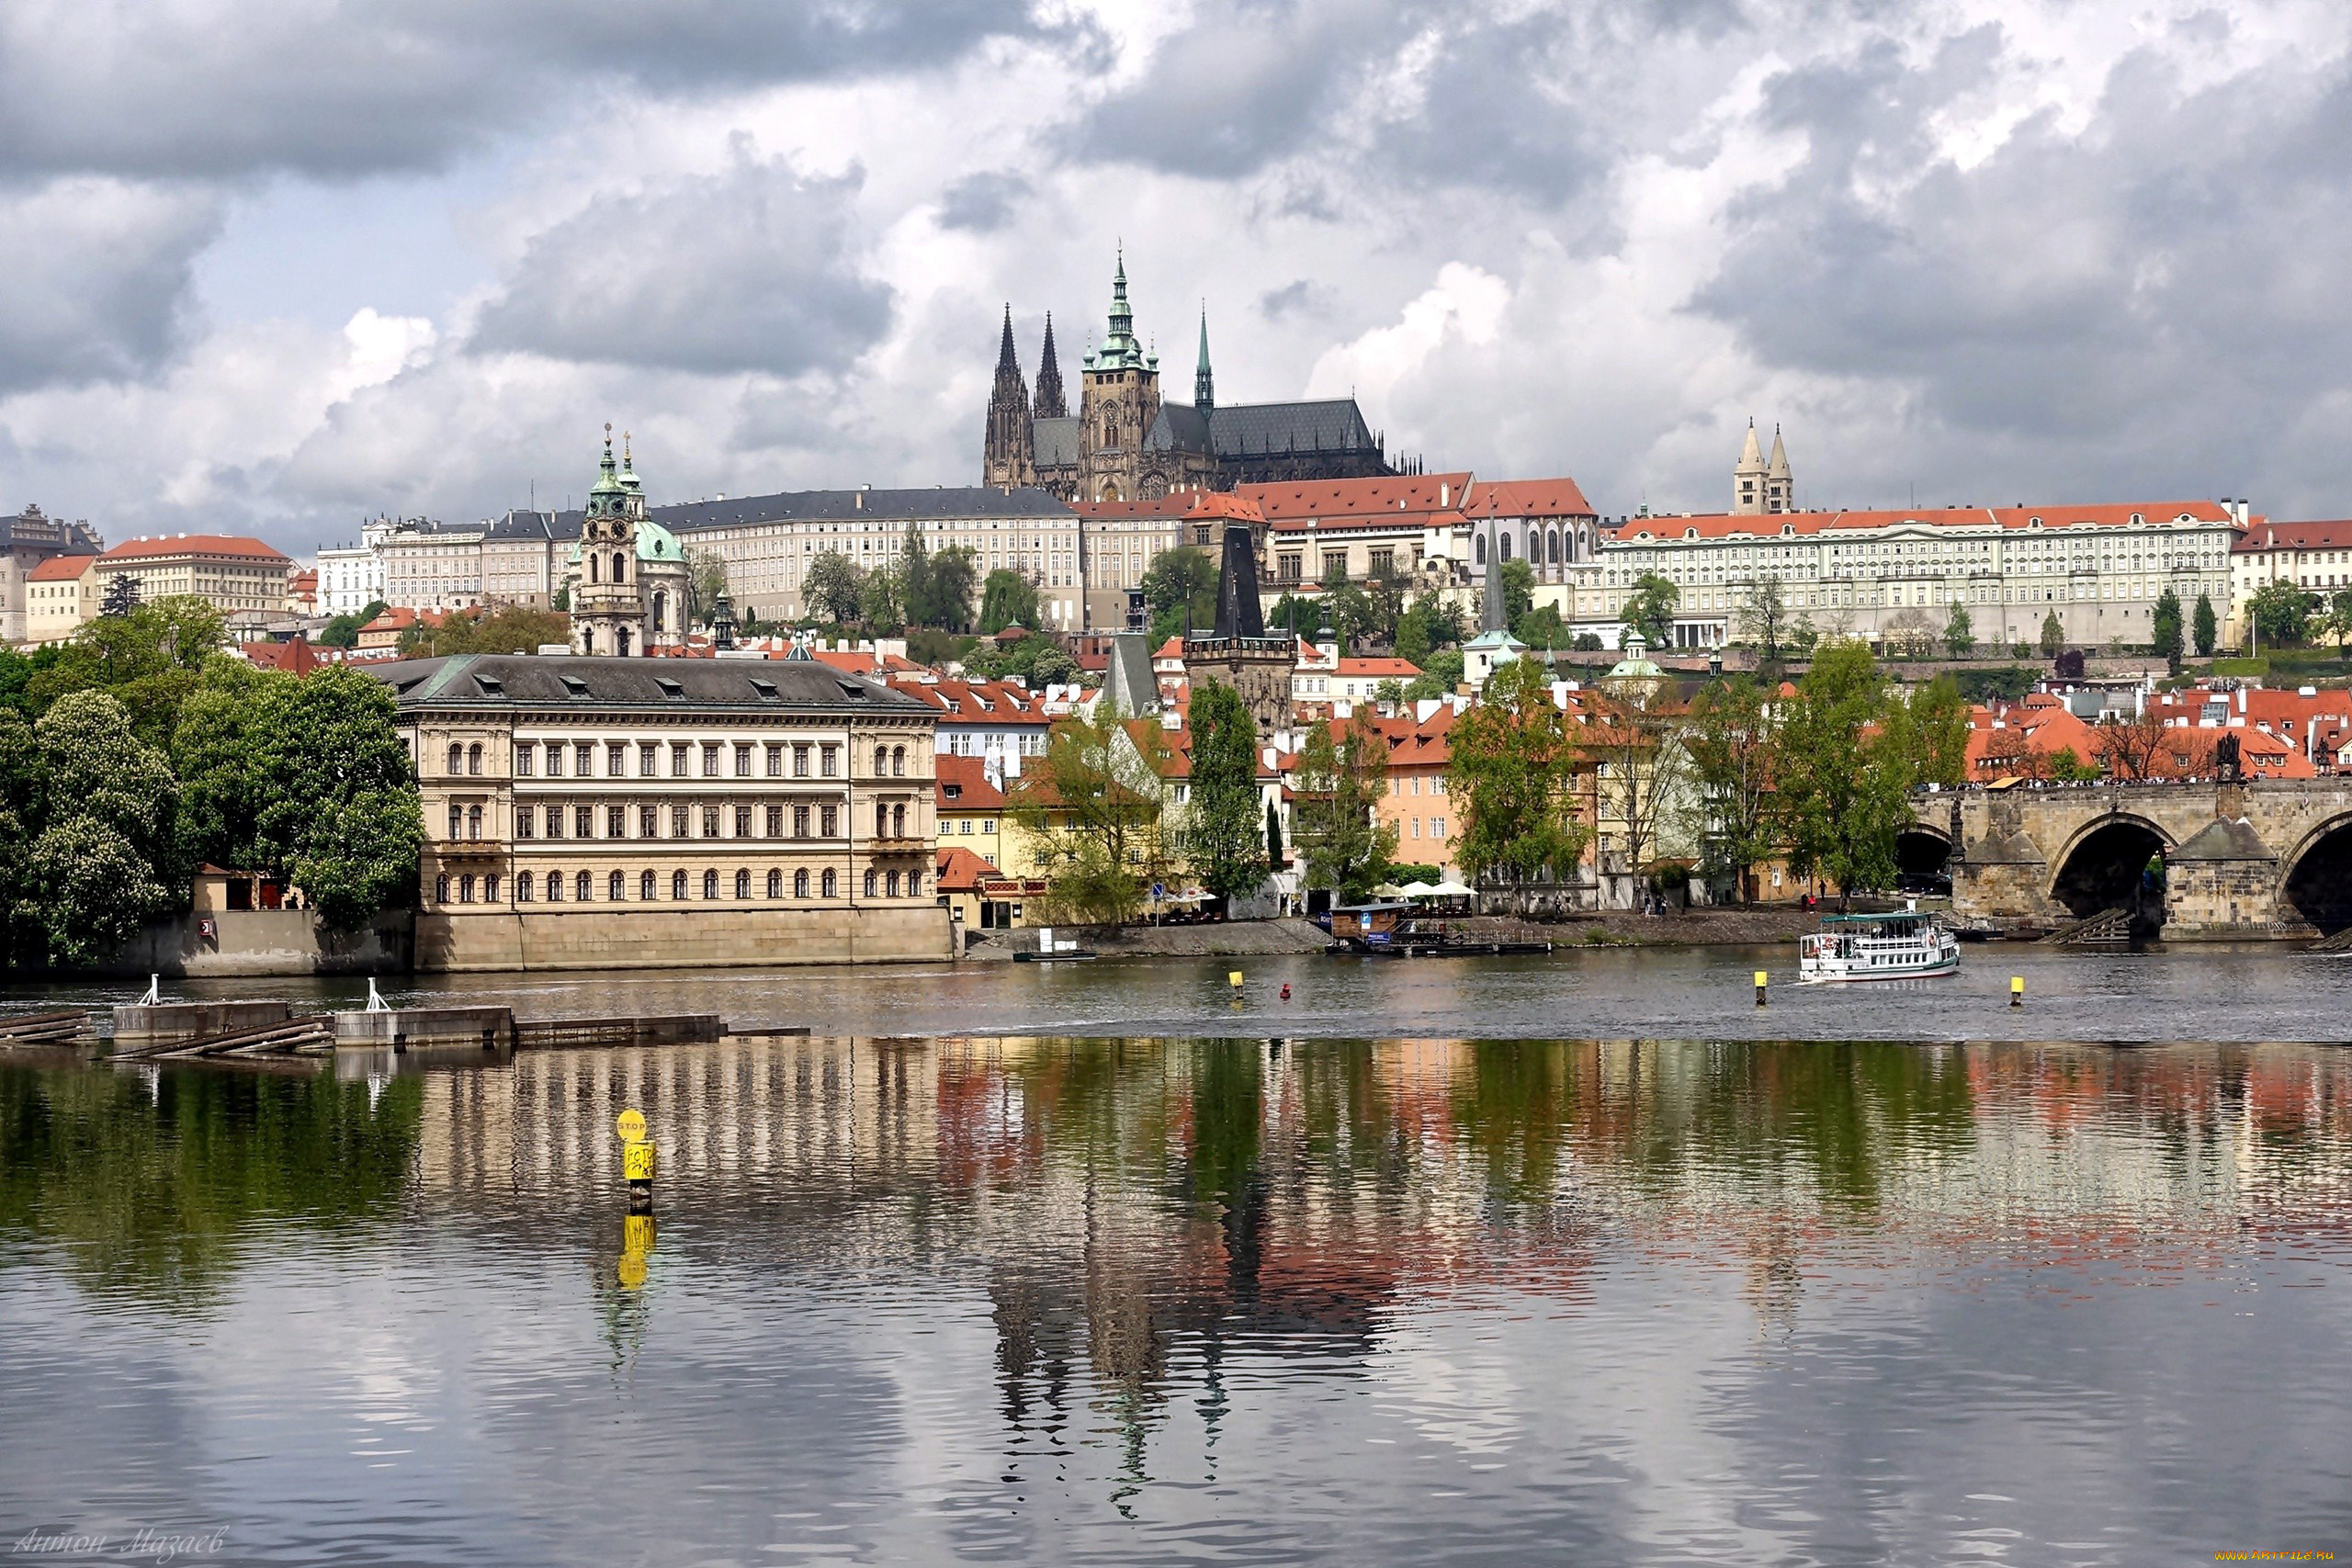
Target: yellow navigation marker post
2016	990
1233	978
636	1156
1761	980
630	1126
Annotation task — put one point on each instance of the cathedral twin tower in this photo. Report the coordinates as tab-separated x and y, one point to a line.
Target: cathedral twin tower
1125	444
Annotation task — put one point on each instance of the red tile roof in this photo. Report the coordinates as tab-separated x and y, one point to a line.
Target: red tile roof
61	569
1528	498
963	784
1770	525
196	545
961	870
1177	504
2268	536
1407	495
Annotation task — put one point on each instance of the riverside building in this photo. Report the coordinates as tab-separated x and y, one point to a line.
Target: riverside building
622	812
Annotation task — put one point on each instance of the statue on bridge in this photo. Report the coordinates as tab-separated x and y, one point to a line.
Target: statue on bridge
2225	757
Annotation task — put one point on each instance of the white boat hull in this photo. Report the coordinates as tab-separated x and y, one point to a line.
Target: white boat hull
1898	947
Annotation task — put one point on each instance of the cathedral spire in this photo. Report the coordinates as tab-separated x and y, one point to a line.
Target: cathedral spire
1120	350
1050	378
1748	477
1203	384
1004	354
1779	484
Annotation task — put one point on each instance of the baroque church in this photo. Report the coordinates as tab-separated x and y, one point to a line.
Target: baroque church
1125	444
626	577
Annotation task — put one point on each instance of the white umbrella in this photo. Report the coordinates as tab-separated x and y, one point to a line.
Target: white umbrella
1388	890
1450	889
1418	890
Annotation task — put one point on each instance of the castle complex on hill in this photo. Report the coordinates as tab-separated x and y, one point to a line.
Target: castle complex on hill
1125	444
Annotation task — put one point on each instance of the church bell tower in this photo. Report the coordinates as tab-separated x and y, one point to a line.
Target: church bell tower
609	603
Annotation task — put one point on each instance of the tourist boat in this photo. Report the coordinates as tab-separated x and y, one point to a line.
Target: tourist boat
1906	945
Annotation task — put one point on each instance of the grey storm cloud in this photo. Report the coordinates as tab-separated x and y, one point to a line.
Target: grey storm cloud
2146	291
340	89
983	203
92	273
750	269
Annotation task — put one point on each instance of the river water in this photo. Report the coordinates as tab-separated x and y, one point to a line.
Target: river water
1583	1260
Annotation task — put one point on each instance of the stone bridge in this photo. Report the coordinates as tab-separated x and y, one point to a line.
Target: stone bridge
2215	861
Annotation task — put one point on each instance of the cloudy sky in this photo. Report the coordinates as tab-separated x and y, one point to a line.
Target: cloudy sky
272	268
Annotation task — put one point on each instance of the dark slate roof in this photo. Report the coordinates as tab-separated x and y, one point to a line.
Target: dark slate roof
1333	425
1179	428
704	683
31	526
520	525
1056	442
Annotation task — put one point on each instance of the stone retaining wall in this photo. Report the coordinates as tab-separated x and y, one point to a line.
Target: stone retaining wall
681	937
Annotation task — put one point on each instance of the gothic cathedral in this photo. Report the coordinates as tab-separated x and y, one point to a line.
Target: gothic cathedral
1125	444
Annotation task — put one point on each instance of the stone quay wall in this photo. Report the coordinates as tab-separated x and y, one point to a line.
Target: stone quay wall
680	937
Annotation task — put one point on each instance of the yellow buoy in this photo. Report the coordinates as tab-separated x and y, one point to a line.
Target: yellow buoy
1761	980
629	1125
1233	978
2016	990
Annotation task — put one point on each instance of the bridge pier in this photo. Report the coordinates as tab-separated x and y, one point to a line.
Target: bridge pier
2224	884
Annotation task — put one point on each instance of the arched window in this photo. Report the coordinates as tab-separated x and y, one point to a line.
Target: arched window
555	887
678	885
473	821
441	888
1556	546
522	887
881	821
898	821
660	610
473	759
592	567
456	820
620	569
457	759
832	884
645	888
869	882
490	888
466	888
915	884
616	887
800	885
1502	547
775	885
583	889
711	884
1479	550
898	761
890	884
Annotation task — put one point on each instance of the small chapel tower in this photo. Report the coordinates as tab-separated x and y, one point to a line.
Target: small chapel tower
607	602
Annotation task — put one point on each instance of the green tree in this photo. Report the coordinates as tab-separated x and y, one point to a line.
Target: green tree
706	580
1928	733
2164	627
1764	618
2280	614
1733	746
1513	777
1390	691
2053	636
2203	626
882	598
1275	837
1518	590
508	628
1441	673
1415	633
1542	627
1091	808
1222	838
1960	632
834	588
121	595
2336	619
1843	783
1007	598
1650	609
1035	662
954	583
97	870
1337	785
1180	585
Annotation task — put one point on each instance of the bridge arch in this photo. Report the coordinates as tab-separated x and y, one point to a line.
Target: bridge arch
1922	849
2102	864
2315	877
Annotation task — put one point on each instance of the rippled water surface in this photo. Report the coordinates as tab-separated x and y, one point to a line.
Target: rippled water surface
1192	1300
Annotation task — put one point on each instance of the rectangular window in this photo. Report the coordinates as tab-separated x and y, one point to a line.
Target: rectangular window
829	822
776	761
831	761
800	822
742	821
649	822
680	822
677	759
615	759
583	821
710	821
742	760
584	755
801	761
617	821
710	759
555	760
646	752
526	823
555	821
989	826
775	822
525	754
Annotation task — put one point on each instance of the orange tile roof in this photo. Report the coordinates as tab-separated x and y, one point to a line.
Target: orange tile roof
1411	495
2268	536
963	784
61	569
1528	498
961	870
195	545
1771	525
1177	504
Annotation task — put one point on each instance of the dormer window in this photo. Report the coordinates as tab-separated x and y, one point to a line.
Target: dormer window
669	688
574	685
